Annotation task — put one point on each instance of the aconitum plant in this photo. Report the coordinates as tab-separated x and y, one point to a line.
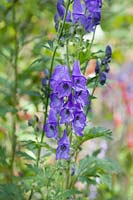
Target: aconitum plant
66	95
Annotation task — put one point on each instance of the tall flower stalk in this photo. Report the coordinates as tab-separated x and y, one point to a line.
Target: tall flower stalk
68	98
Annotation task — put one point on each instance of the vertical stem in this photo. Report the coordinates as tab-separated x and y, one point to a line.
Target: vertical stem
15	101
68	167
46	105
47	100
67	54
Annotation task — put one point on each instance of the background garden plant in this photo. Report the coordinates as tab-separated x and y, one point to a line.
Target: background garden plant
42	161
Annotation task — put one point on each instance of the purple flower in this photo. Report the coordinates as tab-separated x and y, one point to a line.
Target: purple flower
81	97
67	112
79	122
93	5
107	68
64	89
108	51
51	130
107	59
50	127
60	13
60	81
78	80
63	148
78	10
56	102
94	9
79	14
102	78
97	68
88	14
94	20
66	115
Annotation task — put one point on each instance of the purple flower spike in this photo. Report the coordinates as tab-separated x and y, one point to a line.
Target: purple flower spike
63	148
82	97
78	80
50	127
79	122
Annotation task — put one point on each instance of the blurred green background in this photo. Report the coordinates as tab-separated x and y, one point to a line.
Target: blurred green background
23	33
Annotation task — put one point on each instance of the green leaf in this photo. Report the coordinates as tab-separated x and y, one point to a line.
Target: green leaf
27	155
68	193
97	132
106	179
10	192
91	167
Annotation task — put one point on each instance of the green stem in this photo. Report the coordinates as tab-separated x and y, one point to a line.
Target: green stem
68	167
47	100
15	101
64	20
46	105
67	54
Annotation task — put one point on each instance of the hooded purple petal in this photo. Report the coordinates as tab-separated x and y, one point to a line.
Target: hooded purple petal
63	148
51	130
67	112
56	102
81	97
64	89
52	117
78	80
50	127
79	122
61	73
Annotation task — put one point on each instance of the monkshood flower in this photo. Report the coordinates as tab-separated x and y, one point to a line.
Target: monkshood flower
102	78
103	67
78	80
51	127
81	97
93	5
60	81
79	122
108	55
87	14
60	13
68	98
63	148
67	112
56	102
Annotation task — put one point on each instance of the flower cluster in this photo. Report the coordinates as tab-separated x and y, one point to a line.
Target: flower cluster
60	13
88	13
67	101
103	67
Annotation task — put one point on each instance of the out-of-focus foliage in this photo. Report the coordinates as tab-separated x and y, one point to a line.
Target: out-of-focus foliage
29	27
